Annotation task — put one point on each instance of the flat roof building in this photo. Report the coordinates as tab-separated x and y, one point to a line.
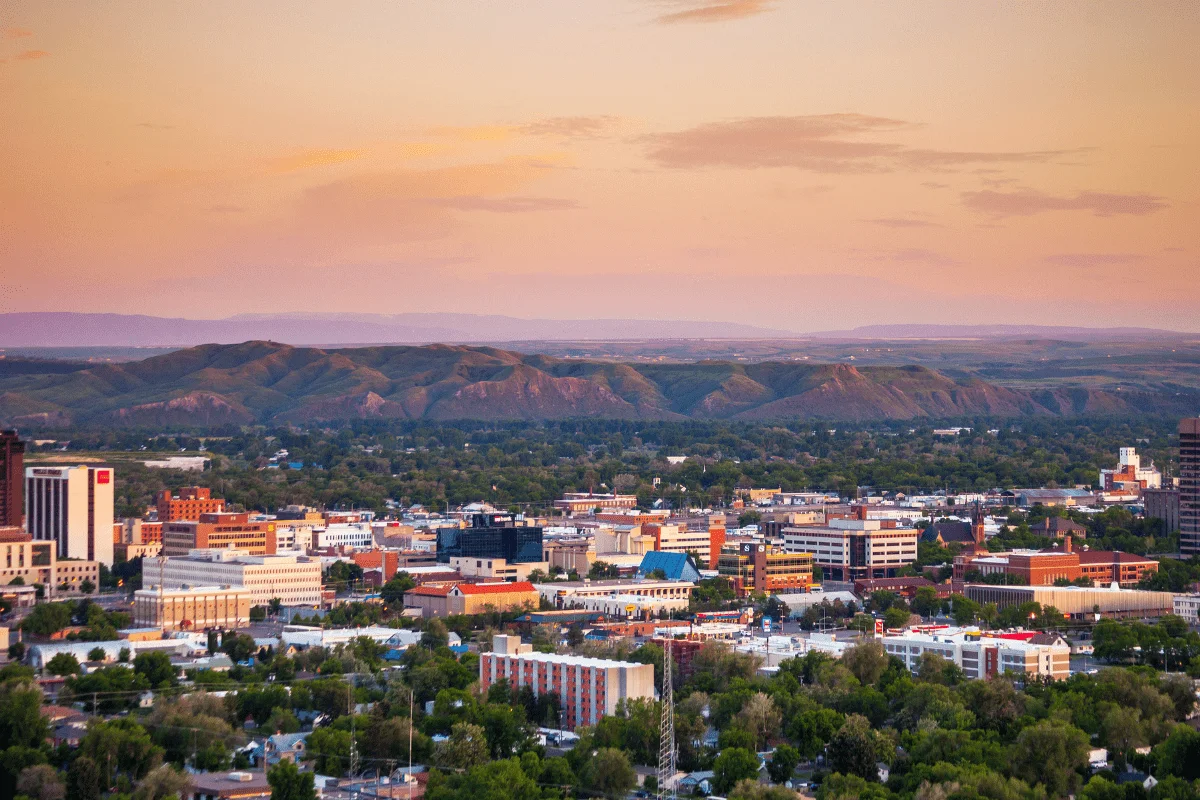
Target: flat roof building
73	507
471	598
1078	602
294	580
587	688
194	608
982	655
853	549
1189	486
189	504
491	536
220	531
758	568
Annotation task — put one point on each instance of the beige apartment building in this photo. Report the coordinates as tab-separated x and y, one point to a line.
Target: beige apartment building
982	655
191	609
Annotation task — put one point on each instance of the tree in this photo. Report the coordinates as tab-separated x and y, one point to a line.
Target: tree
610	773
866	661
750	789
156	668
161	784
48	618
1050	753
1179	755
86	586
282	721
466	747
239	647
120	746
896	617
393	591
274	606
16	651
926	602
123	656
732	765
63	664
83	779
761	718
41	782
289	783
330	750
97	654
783	763
852	749
258	613
499	780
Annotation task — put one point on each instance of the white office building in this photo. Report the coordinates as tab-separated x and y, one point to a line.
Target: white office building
854	549
351	534
294	580
983	655
73	507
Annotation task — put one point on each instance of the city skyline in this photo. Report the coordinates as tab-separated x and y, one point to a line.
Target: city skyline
830	165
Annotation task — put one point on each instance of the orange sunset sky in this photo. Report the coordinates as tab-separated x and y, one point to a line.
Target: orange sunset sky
790	164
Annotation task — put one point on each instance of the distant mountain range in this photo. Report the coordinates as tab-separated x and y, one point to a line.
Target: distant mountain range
68	329
266	382
1060	332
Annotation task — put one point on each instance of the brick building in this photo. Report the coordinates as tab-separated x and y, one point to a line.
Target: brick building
587	688
188	505
219	531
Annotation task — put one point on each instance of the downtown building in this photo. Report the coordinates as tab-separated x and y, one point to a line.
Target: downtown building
981	656
37	562
294	580
759	568
189	504
854	549
12	477
491	536
73	507
587	688
1189	487
219	531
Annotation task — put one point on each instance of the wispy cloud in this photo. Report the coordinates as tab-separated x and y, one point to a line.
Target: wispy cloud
902	222
504	205
1028	201
14	32
1086	260
31	55
821	143
569	127
310	159
920	255
714	10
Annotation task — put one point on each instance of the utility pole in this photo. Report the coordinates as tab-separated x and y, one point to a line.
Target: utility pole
353	747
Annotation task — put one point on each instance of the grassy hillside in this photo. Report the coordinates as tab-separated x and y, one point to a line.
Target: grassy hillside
270	382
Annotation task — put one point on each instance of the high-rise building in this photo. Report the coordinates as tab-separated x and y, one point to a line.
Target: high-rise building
294	580
1189	486
189	504
12	476
854	549
758	567
491	536
72	506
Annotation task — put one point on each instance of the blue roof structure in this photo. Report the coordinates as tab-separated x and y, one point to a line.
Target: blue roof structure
676	566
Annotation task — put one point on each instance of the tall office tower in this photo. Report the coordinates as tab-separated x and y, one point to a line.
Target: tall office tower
72	506
1189	486
491	536
12	474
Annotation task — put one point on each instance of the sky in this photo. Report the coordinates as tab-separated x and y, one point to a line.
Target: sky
792	164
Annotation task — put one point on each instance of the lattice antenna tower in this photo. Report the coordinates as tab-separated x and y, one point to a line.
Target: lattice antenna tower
666	730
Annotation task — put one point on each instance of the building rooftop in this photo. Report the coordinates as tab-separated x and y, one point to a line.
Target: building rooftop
494	588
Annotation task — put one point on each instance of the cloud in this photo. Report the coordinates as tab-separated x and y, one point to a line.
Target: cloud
1085	260
921	255
31	55
935	185
309	159
718	11
17	33
1029	201
900	222
821	143
569	127
504	205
